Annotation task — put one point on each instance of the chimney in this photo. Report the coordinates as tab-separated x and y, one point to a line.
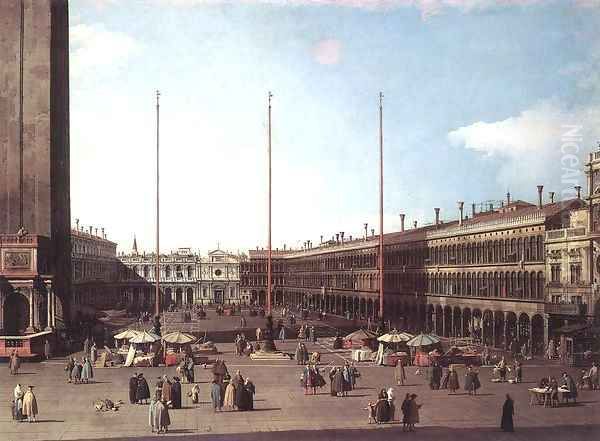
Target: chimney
342	236
372	232
337	238
491	207
77	224
96	231
508	198
551	197
366	226
415	224
402	221
540	188
284	247
437	216
473	209
350	238
90	230
461	204
321	238
578	190
103	235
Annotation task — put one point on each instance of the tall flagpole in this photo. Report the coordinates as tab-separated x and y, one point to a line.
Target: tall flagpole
270	253
157	269
381	207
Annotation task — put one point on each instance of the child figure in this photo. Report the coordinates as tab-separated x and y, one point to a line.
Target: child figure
371	408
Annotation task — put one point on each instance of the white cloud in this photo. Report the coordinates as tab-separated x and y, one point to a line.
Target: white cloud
530	131
94	47
328	52
533	146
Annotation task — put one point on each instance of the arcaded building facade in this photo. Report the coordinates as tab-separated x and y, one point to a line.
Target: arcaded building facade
512	273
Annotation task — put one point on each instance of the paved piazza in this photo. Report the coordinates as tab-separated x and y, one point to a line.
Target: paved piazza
282	411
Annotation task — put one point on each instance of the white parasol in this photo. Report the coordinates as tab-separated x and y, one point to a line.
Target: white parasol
395	337
144	337
126	335
179	337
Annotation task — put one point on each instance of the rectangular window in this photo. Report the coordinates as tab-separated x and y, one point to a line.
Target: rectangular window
555	273
575	272
555	299
577	300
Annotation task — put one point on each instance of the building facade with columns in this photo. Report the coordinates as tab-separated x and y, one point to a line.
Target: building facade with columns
491	275
185	278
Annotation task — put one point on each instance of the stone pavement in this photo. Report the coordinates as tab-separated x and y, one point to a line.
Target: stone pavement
283	411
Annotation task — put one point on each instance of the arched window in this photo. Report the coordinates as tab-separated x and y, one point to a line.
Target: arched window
168	272
145	271
190	272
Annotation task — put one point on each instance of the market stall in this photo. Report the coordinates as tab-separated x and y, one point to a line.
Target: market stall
423	343
143	350
360	339
175	346
392	347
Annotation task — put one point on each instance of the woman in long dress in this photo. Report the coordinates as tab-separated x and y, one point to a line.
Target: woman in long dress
382	408
152	412
76	372
508	410
453	384
229	401
30	408
14	363
87	373
18	397
215	395
162	420
400	373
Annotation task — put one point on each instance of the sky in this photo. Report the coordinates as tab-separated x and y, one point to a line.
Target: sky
481	97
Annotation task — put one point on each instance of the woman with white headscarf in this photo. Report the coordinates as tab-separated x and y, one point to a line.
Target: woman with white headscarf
18	397
391	398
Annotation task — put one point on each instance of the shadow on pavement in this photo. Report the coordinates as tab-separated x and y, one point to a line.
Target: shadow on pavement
379	433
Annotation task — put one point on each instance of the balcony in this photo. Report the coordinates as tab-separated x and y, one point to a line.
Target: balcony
565	233
565	308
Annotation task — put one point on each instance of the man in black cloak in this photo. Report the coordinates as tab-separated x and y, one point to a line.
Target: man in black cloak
508	410
133	382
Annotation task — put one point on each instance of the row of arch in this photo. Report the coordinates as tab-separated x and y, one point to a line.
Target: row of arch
491	327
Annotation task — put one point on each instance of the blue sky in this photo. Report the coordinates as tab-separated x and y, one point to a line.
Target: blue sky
478	97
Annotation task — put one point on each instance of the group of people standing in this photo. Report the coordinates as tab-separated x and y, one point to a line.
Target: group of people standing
343	379
238	394
307	333
79	372
243	346
186	369
384	409
24	404
311	379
